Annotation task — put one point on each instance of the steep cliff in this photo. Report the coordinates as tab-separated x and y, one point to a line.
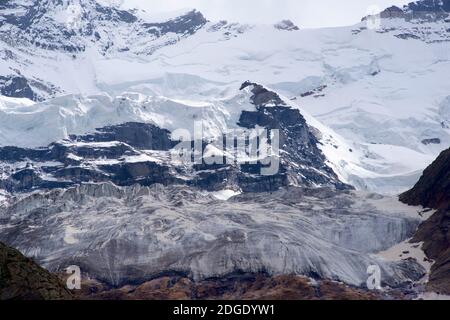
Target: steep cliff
433	191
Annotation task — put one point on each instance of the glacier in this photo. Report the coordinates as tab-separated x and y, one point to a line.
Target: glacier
123	235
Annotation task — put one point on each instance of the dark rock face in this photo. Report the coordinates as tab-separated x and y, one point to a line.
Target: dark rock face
17	87
186	24
143	173
431	141
433	188
302	159
420	9
433	191
22	279
435	233
133	153
36	19
33	24
428	10
137	135
69	160
406	36
392	12
115	14
39	8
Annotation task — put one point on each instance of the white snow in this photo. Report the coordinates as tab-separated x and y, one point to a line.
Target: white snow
407	250
70	233
383	95
225	195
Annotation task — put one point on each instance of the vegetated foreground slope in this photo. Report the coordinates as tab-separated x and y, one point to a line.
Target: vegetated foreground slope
22	279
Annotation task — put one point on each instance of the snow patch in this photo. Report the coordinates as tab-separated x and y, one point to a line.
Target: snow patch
225	195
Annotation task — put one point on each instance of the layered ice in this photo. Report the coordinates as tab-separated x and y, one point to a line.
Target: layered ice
125	235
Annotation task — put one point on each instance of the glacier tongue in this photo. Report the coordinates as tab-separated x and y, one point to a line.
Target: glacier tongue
131	234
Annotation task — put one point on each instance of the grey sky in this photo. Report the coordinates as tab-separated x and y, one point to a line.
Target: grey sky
305	13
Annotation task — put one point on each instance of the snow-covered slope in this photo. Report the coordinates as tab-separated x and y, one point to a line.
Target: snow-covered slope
134	133
50	47
384	90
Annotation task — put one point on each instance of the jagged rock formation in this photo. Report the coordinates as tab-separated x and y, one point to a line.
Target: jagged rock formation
433	188
71	25
425	20
392	12
423	10
137	152
297	140
22	279
428	9
433	191
68	28
15	86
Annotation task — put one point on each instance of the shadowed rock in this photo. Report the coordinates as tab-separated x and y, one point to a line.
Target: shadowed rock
22	279
433	191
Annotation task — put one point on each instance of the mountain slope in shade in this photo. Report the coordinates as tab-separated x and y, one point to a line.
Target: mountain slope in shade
22	279
433	188
433	191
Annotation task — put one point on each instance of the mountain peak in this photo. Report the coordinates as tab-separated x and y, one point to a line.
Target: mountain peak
425	10
74	25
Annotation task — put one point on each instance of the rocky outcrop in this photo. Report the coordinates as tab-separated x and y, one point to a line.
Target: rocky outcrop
18	87
232	287
433	191
67	28
435	234
136	152
302	162
286	25
392	12
81	23
137	135
22	279
428	9
424	10
433	188
186	24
